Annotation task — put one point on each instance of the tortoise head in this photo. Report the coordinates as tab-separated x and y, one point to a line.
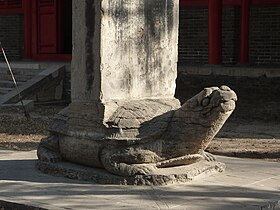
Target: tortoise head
212	105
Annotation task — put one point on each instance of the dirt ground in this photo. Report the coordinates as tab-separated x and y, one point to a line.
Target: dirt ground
238	137
248	139
18	133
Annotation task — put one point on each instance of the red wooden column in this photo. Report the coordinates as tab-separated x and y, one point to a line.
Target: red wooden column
215	8
244	31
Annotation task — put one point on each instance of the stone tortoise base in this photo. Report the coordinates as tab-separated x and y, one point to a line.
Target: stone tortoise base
180	174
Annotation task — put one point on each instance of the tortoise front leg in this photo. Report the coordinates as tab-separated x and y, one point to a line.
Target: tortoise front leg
179	161
48	150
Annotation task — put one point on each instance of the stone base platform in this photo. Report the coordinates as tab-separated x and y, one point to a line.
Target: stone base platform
164	176
245	185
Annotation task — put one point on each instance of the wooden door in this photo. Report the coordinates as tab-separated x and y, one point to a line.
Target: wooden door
47	26
9	4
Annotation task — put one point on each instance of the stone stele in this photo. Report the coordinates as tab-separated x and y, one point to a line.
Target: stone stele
124	125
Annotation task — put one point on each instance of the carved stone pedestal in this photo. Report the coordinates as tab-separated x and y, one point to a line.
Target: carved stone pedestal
165	176
123	117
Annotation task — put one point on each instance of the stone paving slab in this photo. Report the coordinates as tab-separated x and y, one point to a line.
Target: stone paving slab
246	184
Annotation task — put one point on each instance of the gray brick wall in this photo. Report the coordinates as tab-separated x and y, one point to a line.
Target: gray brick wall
265	35
193	36
12	35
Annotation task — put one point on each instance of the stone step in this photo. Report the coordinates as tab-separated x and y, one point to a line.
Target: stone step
19	78
32	72
23	65
41	85
20	71
8	84
28	104
4	90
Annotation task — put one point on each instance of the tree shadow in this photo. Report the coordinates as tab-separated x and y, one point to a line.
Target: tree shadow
19	178
84	195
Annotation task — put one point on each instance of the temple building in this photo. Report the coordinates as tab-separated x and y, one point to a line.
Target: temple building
230	32
233	42
211	31
36	29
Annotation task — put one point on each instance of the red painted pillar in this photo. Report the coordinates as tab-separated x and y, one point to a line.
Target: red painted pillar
215	8
244	31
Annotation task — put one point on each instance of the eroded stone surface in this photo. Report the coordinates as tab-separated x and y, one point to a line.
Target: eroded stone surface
133	144
164	176
124	49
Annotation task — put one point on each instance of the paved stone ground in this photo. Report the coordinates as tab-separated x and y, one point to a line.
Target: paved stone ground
246	184
248	138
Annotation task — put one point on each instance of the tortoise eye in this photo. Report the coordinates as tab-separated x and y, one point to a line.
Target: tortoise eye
205	102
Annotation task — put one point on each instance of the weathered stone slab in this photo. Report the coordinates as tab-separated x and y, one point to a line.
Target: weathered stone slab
124	49
164	176
143	38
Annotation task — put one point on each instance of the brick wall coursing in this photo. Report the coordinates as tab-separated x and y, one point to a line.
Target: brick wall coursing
265	35
193	36
256	95
12	35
